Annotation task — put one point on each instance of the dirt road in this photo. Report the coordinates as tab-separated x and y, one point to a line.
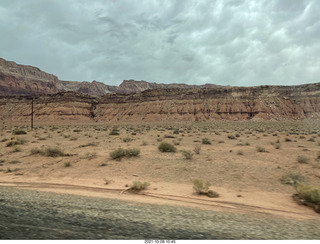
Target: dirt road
29	214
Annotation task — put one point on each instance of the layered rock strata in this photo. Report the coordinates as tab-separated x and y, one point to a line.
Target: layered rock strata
254	103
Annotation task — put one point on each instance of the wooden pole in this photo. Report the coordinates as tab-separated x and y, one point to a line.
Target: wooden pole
32	114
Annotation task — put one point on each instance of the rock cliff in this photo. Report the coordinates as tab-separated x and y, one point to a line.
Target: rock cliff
171	104
24	80
133	86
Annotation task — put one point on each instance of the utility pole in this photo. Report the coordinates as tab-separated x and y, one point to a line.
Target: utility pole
32	114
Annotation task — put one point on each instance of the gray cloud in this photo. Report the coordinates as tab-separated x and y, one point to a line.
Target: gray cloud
222	42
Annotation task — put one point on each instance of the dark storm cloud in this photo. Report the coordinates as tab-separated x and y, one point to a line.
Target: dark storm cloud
222	42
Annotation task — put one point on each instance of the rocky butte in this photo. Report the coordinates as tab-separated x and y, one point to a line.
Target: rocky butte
65	101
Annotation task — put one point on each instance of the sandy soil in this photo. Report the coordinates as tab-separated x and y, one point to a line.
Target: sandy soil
246	180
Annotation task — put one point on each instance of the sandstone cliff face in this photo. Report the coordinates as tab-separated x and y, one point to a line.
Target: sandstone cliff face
17	79
144	101
255	103
93	88
24	80
133	86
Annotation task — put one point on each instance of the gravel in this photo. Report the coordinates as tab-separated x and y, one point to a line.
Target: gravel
29	214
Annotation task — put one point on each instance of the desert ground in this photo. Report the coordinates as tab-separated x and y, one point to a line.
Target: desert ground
251	165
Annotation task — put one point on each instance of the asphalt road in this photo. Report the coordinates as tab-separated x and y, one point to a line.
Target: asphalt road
28	214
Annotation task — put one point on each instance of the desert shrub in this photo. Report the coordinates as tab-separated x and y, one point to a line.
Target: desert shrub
187	154
166	147
19	132
318	155
138	186
90	144
17	141
127	139
206	141
199	186
169	136
292	178
309	193
76	130
176	132
14	162
144	143
231	137
17	149
240	152
119	153
202	188
114	133
54	152
260	149
176	142
312	139
90	156
277	145
197	149
37	151
67	164
132	152
303	160
287	140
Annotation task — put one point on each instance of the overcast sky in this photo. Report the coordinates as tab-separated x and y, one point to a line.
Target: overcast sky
227	42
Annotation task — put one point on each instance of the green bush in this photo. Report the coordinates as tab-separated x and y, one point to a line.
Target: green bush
292	178
37	151
53	152
119	153
90	156
187	154
138	186
132	152
17	141
202	188
197	149
166	147
206	141
309	193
